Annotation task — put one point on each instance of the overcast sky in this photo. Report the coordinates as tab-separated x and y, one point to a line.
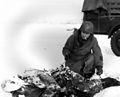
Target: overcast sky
15	10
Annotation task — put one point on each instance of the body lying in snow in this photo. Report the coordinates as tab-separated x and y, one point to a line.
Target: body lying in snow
59	83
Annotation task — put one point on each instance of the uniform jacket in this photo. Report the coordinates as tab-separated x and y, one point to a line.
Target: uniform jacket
79	49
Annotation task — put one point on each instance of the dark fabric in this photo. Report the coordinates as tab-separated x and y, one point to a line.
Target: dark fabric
15	94
108	82
99	70
29	91
75	66
90	5
34	92
82	53
84	67
89	64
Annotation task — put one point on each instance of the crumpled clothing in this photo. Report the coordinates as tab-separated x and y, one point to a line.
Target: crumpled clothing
60	80
40	78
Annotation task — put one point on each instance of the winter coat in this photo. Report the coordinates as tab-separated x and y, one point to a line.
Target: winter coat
79	49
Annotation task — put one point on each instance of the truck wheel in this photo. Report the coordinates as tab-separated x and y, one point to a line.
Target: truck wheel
115	42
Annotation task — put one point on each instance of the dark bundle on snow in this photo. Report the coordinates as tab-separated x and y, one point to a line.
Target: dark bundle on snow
59	82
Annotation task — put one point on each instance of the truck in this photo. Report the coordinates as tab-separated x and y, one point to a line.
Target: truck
105	16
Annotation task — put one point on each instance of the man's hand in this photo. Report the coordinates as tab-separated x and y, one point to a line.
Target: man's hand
99	70
67	56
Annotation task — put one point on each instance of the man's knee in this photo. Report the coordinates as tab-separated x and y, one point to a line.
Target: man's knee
89	59
89	68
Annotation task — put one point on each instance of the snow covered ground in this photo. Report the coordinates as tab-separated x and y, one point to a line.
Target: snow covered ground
33	32
40	45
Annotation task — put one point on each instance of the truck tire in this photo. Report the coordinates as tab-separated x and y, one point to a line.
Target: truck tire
115	42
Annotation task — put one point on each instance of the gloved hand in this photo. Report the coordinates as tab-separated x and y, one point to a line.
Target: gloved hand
67	56
99	70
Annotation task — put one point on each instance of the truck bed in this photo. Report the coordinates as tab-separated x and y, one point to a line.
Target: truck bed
112	6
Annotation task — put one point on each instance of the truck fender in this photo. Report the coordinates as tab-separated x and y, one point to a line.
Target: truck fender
111	31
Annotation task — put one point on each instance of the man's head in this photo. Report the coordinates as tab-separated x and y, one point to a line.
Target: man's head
86	29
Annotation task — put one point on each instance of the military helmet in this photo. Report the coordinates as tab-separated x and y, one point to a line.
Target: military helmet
87	27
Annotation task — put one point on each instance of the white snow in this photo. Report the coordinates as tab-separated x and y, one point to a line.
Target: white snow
40	45
109	92
33	32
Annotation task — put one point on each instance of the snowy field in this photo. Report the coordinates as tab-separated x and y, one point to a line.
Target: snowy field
33	32
40	46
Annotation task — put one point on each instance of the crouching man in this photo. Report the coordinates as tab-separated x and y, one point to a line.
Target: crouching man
82	52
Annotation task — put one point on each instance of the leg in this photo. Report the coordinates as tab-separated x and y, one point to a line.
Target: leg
108	82
75	66
15	94
89	68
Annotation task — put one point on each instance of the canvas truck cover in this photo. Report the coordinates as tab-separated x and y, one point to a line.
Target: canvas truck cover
112	6
91	5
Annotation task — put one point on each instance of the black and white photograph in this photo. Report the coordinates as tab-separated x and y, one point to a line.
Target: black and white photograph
60	48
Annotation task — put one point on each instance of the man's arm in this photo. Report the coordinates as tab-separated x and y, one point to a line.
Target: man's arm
98	57
68	47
